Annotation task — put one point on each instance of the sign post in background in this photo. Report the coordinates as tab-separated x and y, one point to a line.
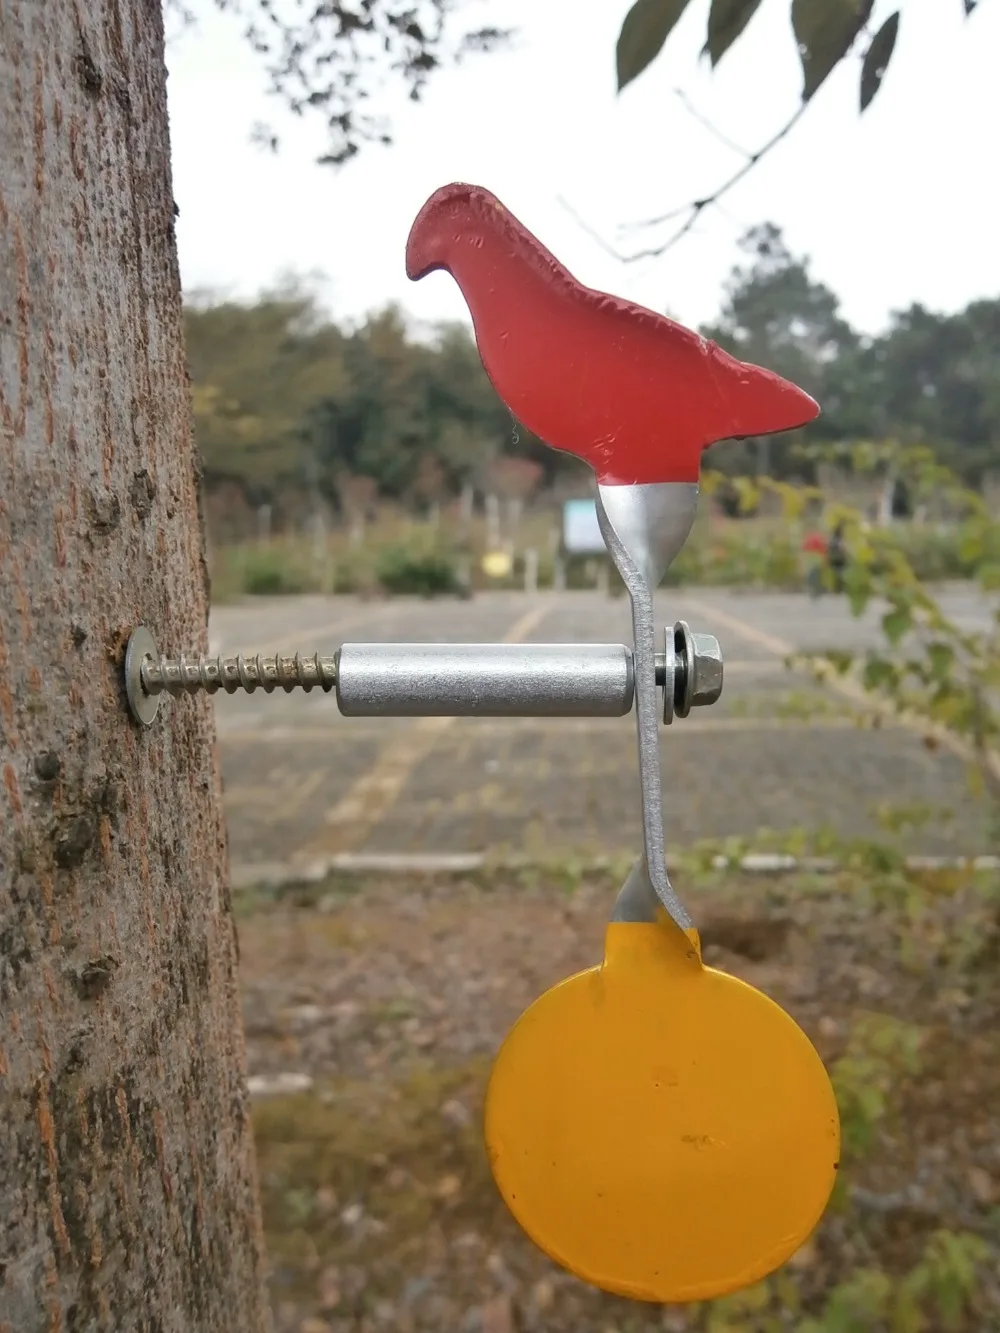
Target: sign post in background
581	532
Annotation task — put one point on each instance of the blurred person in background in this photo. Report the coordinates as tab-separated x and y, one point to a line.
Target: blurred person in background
821	553
836	557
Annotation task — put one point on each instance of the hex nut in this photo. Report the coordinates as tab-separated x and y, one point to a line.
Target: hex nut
707	685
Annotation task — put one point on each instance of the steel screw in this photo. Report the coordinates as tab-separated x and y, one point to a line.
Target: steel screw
148	674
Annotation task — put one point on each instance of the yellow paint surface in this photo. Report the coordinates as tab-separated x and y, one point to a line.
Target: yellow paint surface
659	1128
497	564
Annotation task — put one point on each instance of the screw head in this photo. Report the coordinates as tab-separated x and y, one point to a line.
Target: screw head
141	647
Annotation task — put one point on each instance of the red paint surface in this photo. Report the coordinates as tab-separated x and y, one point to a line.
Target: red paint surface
636	395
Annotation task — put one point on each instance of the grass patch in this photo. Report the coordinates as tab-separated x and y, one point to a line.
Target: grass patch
354	1174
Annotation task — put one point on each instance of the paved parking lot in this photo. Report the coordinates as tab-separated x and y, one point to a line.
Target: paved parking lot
778	752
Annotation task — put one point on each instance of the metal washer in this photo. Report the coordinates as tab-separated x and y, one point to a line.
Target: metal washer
141	648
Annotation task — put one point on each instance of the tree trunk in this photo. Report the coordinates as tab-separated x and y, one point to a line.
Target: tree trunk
127	1180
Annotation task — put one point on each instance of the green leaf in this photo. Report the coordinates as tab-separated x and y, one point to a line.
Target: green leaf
825	31
941	655
877	58
878	674
840	661
647	26
858	596
726	20
896	623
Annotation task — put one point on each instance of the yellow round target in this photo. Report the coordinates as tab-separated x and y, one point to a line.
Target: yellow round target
661	1129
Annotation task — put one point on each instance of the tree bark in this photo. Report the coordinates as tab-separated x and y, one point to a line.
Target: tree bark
127	1179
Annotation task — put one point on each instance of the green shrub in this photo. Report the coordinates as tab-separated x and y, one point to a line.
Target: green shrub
745	555
934	553
880	1052
354	573
417	570
270	573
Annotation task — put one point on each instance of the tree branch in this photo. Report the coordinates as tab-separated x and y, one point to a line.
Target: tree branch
329	57
586	227
705	123
694	209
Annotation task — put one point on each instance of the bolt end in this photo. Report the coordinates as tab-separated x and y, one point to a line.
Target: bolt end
707	670
698	671
141	648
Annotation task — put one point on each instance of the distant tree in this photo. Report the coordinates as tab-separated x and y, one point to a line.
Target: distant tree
930	378
774	310
258	370
284	400
406	399
430	485
515	478
466	449
356	495
775	314
472	423
937	378
377	425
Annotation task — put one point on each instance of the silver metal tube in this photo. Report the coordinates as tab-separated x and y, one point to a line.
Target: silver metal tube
484	680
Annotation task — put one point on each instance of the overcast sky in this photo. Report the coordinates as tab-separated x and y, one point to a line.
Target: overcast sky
897	206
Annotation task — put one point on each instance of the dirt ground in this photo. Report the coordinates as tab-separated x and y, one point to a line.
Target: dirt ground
373	1009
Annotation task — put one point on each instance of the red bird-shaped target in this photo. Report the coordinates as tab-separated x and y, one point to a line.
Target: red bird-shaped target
631	392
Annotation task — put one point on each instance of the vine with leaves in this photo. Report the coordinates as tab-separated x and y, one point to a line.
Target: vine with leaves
930	667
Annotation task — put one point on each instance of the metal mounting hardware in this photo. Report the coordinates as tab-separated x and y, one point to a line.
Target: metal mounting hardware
697	662
644	526
442	679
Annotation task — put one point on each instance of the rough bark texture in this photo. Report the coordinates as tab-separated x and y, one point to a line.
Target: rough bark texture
127	1181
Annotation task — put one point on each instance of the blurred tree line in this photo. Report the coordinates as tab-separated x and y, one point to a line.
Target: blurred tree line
286	399
288	402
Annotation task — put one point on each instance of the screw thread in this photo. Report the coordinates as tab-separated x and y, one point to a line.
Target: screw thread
178	675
